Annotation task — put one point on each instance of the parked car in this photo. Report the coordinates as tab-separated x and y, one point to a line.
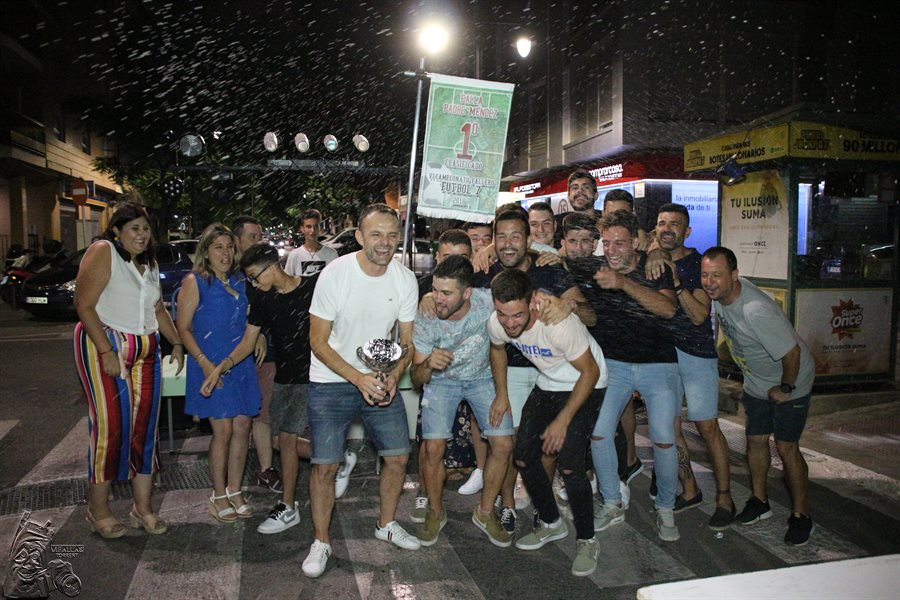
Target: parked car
51	294
189	246
423	261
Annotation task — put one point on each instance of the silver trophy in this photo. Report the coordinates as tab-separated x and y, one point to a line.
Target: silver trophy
381	356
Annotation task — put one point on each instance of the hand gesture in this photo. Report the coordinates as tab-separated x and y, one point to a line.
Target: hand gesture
608	279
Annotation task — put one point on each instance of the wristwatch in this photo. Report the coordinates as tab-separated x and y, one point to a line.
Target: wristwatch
787	388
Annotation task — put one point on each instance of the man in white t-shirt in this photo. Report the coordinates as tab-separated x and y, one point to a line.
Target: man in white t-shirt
311	257
359	297
559	414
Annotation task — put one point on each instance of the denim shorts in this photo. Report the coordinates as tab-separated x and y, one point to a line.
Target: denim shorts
288	412
698	384
334	406
786	420
519	383
441	399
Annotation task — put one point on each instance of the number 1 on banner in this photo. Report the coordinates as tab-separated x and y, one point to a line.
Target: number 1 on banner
469	131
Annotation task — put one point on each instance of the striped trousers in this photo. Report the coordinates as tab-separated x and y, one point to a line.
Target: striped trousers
123	410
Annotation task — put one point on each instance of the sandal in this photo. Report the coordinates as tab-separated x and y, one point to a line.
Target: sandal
150	523
109	528
222	515
244	511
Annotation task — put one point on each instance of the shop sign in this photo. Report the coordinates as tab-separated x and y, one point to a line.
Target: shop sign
754	146
846	329
815	140
756	224
465	138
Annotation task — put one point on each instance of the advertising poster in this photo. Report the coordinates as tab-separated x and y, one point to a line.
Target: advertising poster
465	138
756	224
847	330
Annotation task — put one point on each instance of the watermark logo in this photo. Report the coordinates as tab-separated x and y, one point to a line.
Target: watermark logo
846	319
29	574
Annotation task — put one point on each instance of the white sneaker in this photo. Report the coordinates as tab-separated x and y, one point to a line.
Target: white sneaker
665	524
395	534
317	559
280	518
521	495
564	495
342	479
473	484
625	492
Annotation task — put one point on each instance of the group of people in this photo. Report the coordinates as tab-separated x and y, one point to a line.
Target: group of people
547	327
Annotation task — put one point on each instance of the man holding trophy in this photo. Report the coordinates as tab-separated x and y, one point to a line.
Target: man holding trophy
355	369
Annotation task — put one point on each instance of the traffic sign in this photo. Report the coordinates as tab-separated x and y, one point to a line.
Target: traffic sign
79	192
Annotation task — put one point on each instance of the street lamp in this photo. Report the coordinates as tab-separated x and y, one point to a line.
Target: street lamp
523	46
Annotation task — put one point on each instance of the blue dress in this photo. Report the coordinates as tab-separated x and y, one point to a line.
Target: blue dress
218	326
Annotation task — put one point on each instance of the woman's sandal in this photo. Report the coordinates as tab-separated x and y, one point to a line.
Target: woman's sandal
222	515
244	511
150	523
109	528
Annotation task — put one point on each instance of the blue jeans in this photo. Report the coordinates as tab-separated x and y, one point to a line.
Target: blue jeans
333	406
658	384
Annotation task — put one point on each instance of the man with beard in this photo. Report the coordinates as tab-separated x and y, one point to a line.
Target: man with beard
558	415
697	365
630	307
778	378
451	362
359	297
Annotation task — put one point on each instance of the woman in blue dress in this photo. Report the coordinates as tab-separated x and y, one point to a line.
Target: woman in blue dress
211	318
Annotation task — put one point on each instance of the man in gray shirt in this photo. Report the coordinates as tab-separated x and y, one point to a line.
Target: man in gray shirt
778	377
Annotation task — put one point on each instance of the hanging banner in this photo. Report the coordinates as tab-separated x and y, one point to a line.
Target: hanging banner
465	139
756	224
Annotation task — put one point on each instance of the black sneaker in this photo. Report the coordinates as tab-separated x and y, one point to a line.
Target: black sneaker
653	489
754	511
631	471
722	518
508	519
682	505
798	531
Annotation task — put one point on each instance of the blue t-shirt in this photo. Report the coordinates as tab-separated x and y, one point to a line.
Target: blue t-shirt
696	340
552	279
466	338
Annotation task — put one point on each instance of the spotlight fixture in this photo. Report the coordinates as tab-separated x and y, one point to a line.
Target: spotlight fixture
331	143
361	143
172	187
191	145
301	142
731	172
271	141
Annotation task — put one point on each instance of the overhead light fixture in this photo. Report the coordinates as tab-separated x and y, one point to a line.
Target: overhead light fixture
172	187
523	46
433	38
301	142
331	143
731	172
191	145
271	141
361	143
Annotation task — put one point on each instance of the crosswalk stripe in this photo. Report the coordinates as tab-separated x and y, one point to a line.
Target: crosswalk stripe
67	460
204	563
384	571
6	426
824	544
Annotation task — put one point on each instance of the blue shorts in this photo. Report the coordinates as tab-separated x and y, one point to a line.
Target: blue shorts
698	384
441	399
519	383
334	406
786	420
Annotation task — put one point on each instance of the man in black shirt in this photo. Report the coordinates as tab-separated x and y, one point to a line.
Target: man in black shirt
640	356
281	303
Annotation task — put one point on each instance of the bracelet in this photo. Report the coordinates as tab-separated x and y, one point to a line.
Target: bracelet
678	291
678	288
231	359
199	356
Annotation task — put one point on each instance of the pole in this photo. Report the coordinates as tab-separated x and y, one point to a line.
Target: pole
412	162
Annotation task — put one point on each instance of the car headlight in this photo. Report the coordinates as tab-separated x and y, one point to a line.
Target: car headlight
68	286
162	275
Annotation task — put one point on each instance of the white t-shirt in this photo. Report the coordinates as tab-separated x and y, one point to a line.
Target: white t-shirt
303	263
550	348
361	308
128	302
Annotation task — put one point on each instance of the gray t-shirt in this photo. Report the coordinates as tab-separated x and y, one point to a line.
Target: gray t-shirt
466	338
759	335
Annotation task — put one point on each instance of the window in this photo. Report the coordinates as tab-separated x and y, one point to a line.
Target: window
59	127
86	141
590	94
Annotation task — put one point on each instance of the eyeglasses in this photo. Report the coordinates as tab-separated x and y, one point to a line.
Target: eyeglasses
255	278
